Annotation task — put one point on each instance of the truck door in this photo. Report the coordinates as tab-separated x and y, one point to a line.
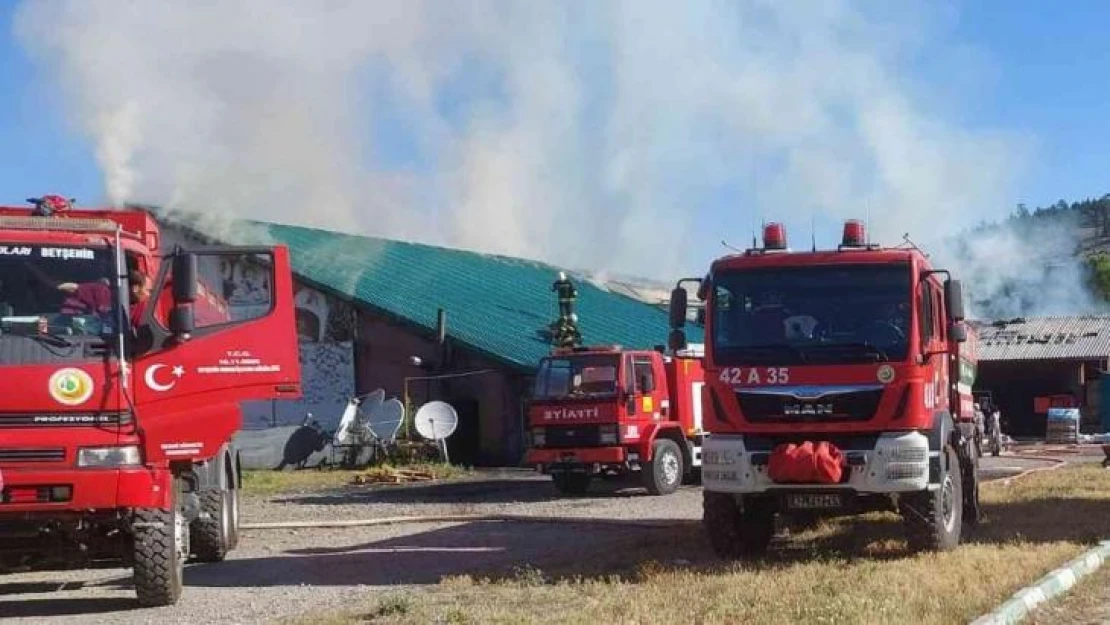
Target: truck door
643	385
243	345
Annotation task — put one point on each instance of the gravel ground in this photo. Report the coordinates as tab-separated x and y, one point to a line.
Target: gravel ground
279	573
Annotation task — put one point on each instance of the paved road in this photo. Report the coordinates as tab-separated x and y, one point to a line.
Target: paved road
286	572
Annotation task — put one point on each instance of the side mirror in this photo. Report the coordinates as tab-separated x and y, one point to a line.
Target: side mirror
958	332
678	307
676	340
954	298
184	278
182	322
647	384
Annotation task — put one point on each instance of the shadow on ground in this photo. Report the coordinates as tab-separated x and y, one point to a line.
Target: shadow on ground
490	491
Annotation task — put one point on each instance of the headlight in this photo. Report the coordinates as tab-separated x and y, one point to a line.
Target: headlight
539	437
607	434
108	456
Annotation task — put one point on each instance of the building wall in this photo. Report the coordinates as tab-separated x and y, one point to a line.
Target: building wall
1015	384
489	404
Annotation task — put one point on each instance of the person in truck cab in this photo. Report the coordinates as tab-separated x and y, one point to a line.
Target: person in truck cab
140	294
82	298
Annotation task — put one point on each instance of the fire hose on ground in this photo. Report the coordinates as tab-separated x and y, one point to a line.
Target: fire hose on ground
1055	463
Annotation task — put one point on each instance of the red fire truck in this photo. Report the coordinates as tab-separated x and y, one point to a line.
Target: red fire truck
836	382
604	410
116	429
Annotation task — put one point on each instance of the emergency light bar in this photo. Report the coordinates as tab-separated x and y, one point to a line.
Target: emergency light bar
855	234
774	236
55	223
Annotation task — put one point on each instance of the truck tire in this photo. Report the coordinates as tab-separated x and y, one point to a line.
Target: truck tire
934	520
735	529
161	545
211	533
571	483
663	474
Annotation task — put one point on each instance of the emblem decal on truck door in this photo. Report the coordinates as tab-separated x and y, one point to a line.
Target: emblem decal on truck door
154	385
71	387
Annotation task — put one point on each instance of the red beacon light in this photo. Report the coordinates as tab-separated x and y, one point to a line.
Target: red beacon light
855	234
774	236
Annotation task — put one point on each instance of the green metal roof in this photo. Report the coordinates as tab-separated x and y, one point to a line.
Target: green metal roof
496	305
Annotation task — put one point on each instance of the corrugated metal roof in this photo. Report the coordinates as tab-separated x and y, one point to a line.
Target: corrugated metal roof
1045	338
496	305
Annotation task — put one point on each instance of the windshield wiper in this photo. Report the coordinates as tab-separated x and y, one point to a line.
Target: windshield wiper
863	348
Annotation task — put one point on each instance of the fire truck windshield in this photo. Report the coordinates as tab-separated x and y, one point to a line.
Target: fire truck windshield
58	290
578	376
811	314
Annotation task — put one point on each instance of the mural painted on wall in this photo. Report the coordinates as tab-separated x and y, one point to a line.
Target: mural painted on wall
328	381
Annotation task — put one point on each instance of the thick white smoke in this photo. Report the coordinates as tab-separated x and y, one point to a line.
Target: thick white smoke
602	135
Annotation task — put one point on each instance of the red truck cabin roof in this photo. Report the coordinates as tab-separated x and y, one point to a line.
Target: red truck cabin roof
137	224
808	259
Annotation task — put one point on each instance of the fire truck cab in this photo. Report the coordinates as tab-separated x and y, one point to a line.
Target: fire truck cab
117	421
607	411
835	382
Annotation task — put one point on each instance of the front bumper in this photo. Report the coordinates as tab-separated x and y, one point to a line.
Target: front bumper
582	455
899	463
28	490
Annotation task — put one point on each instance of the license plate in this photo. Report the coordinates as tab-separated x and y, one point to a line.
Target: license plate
812	502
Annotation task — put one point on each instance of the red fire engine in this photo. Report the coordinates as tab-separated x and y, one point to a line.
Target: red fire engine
603	410
836	382
116	428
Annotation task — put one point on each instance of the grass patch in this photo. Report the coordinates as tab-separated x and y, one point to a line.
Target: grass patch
842	571
266	483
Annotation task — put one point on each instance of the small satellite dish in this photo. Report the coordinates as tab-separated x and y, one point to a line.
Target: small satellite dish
436	420
385	418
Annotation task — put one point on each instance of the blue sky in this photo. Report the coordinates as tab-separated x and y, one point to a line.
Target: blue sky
39	155
1042	75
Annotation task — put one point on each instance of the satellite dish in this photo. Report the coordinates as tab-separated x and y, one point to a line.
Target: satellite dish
373	402
385	418
436	420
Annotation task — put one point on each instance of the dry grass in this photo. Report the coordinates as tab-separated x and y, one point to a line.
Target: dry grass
839	572
266	483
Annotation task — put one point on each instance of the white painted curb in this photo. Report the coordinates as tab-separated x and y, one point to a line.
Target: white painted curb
1056	583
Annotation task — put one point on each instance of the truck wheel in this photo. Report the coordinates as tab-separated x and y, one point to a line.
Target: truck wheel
663	474
934	520
736	530
161	545
211	533
571	483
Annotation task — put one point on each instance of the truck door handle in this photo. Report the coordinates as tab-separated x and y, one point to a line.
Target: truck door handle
286	388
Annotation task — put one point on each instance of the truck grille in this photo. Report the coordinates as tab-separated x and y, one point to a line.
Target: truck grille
565	436
32	454
770	407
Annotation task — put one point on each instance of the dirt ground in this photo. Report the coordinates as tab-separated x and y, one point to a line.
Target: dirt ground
284	573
